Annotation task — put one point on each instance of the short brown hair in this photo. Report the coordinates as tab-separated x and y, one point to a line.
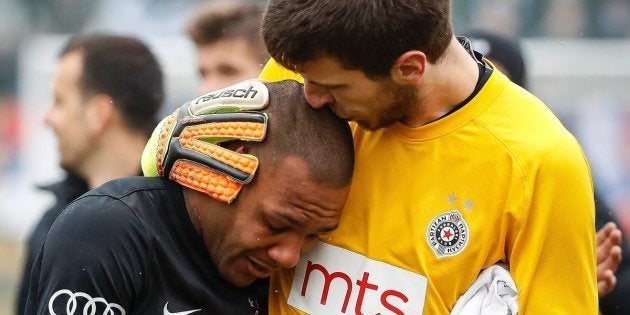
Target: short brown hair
368	35
221	20
124	68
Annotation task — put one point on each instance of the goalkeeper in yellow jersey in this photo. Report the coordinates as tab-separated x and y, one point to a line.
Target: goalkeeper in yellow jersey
457	168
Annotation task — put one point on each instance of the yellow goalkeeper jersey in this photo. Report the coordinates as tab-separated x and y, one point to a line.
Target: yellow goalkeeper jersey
499	180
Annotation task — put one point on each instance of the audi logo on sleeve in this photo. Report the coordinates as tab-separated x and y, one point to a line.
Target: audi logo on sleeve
333	280
80	303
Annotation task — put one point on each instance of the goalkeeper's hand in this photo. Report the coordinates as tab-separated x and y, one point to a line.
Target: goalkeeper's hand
185	146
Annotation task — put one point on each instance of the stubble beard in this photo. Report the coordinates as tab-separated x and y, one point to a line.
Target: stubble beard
400	106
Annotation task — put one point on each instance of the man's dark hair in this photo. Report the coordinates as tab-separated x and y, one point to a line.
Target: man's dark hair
317	136
368	35
125	69
221	20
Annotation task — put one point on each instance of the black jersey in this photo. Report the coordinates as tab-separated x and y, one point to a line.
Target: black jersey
65	192
129	247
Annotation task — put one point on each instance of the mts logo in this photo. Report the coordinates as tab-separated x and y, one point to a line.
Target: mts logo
333	280
363	286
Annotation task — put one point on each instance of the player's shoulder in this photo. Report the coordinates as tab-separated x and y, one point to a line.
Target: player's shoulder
520	119
116	201
121	187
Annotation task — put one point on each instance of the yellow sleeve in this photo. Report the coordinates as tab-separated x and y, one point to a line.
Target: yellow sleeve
274	72
553	256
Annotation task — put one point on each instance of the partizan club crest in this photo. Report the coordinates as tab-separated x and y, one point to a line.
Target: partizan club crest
447	234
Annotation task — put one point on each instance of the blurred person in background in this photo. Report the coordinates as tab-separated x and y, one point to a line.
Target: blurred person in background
613	254
228	41
107	92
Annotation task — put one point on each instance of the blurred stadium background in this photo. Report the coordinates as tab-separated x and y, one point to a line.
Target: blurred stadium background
577	53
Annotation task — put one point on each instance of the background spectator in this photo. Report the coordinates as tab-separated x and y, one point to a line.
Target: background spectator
107	93
229	46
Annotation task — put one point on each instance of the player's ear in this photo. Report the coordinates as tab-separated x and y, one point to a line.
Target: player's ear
99	113
409	68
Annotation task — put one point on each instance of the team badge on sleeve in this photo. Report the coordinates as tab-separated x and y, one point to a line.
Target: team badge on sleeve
448	234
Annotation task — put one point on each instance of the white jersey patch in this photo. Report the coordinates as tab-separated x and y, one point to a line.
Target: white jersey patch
333	280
